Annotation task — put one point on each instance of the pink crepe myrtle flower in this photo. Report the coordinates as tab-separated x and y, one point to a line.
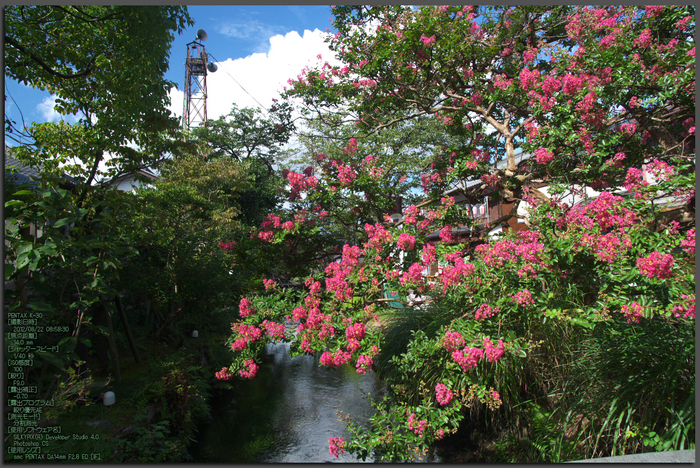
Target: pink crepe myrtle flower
250	333
427	41
686	309
653	10
251	371
453	341
523	298
527	271
244	307
688	244
364	364
224	374
644	39
336	446
227	245
265	236
417	426
468	358
406	241
656	265
493	353
443	394
239	345
274	330
543	155
446	234
485	311
633	312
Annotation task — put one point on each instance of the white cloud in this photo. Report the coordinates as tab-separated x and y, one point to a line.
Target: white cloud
262	75
47	110
252	30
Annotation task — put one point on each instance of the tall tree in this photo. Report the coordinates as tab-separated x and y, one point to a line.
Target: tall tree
574	323
105	64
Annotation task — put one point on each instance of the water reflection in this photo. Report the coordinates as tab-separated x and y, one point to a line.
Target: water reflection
287	412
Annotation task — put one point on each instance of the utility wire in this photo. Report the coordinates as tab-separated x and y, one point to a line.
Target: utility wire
263	107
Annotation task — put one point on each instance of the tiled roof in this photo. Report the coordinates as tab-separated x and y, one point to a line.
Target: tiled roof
23	175
25	172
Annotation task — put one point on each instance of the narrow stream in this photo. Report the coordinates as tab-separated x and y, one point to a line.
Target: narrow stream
286	413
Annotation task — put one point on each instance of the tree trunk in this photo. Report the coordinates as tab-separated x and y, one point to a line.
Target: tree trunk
112	346
130	337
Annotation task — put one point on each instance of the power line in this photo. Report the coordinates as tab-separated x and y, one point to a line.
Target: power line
263	107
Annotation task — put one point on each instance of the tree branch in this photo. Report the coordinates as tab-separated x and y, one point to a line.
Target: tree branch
44	65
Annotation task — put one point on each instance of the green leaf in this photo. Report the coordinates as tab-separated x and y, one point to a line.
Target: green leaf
41	306
64	221
12	203
9	270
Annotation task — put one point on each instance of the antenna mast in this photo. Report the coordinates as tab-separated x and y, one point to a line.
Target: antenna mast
194	113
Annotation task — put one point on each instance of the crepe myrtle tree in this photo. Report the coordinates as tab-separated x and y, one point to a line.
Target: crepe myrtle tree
596	95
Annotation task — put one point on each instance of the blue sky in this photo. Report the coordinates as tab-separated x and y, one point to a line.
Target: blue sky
257	47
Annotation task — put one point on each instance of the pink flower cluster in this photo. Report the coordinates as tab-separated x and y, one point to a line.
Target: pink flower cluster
336	274
265	236
336	446
251	371
355	334
339	358
244	307
528	78
688	244
446	234
443	394
227	245
609	245
428	256
269	284
414	275
417	426
271	221
606	211
300	182
543	155
633	312
364	364
453	341
660	169
616	161
493	353
248	333
224	374
527	271
527	247
634	180
523	298
686	309
378	236
274	330
468	358
485	311
406	241
656	265
452	275
427	41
